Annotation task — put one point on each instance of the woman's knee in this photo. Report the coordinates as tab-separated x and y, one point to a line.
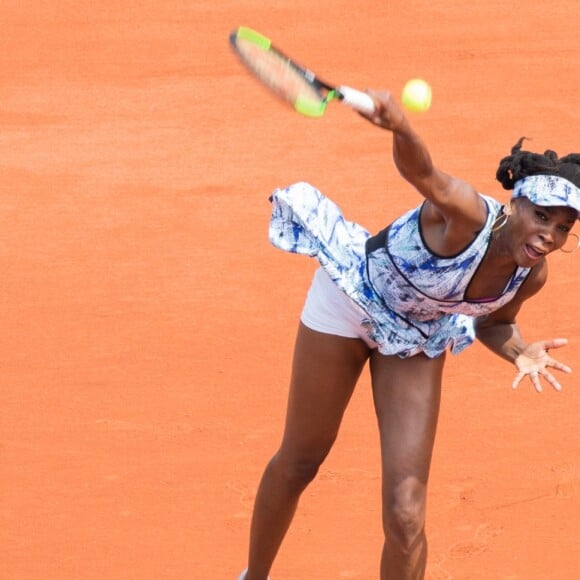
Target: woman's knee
296	472
404	514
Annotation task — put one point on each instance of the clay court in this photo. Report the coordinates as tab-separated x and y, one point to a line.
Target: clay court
147	323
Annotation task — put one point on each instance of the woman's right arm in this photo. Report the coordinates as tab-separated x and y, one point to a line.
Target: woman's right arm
454	201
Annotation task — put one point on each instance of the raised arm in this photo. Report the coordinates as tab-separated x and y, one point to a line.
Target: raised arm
454	202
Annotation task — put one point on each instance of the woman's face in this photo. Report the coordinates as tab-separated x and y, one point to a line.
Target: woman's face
537	230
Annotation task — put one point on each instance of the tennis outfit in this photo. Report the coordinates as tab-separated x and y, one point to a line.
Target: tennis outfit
388	289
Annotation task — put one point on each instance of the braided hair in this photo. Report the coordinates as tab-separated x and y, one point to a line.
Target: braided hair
522	164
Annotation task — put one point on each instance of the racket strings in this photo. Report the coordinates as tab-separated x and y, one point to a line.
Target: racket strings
278	73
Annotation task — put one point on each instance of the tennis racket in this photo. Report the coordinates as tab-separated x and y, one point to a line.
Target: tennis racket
290	81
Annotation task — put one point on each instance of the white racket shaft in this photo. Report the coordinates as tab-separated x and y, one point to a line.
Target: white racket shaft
357	100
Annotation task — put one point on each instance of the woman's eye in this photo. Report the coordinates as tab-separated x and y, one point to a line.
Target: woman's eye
565	229
541	215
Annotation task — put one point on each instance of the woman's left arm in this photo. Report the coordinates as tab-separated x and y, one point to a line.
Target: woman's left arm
500	333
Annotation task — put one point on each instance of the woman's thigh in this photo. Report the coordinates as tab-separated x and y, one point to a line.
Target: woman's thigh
407	396
325	371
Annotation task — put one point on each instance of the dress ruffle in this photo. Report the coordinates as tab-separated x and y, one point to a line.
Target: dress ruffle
306	222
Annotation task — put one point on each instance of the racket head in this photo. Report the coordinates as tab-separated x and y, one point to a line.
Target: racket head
289	81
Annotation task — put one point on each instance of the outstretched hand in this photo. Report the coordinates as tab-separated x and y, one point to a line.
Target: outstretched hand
534	361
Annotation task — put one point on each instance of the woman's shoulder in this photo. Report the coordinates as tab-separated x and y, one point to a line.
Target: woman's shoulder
492	203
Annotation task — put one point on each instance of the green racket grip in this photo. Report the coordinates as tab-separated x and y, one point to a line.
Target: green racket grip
356	99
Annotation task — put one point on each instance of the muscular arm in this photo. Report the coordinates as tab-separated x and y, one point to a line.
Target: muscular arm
451	201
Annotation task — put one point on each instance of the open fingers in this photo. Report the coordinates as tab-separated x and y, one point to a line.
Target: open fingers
555	343
518	380
552	380
558	365
536	380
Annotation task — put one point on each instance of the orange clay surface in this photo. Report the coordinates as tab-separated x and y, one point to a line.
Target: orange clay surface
147	324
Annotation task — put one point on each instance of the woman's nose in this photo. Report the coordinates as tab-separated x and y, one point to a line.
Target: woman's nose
547	235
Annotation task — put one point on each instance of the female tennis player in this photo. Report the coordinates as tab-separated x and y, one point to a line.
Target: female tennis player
457	267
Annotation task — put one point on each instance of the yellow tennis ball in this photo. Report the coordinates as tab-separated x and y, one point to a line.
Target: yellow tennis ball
417	95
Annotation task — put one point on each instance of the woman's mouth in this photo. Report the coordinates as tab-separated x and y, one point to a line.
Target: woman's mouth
533	253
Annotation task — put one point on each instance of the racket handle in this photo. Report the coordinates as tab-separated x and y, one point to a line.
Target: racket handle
357	100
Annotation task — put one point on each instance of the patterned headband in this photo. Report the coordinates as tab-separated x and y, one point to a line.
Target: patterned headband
548	190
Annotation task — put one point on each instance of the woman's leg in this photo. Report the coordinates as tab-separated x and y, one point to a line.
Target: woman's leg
324	373
406	395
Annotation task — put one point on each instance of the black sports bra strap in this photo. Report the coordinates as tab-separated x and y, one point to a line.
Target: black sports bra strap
377	241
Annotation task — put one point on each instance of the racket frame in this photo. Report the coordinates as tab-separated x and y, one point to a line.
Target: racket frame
326	92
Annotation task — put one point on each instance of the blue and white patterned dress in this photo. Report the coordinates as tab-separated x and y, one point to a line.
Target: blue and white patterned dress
414	300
